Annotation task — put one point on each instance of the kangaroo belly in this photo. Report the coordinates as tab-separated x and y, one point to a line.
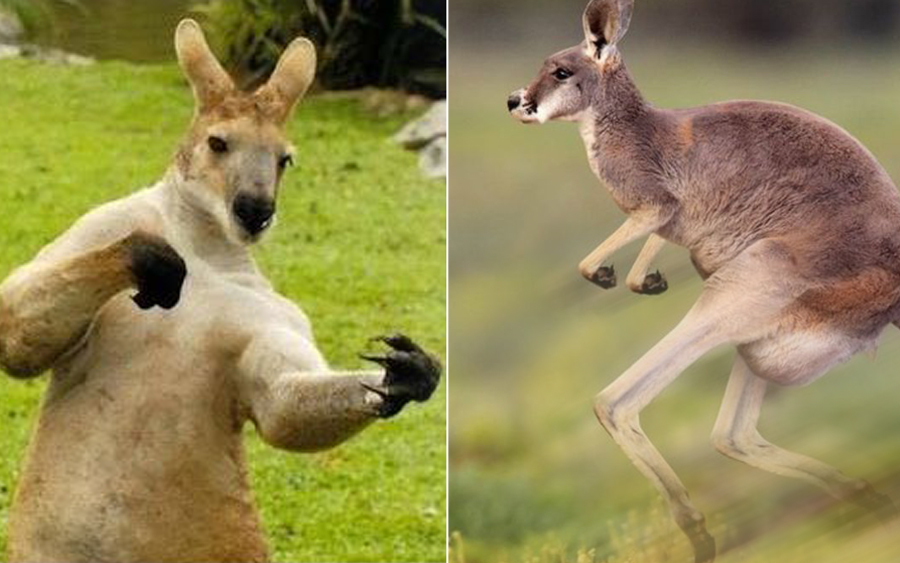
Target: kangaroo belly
121	489
800	357
121	526
137	456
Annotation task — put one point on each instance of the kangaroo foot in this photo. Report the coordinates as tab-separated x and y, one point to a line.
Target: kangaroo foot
704	547
878	504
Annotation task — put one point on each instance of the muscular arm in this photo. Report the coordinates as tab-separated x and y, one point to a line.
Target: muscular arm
47	305
297	403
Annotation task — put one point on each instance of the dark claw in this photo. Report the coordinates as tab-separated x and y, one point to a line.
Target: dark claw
380	360
376	389
654	284
605	277
410	374
398	342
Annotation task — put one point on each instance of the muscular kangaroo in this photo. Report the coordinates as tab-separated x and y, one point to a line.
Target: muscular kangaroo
791	222
164	339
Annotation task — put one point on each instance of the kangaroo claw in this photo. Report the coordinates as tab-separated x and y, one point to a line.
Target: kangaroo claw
410	374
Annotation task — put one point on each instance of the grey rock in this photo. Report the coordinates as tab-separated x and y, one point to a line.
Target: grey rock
428	135
10	51
433	158
53	56
416	134
10	28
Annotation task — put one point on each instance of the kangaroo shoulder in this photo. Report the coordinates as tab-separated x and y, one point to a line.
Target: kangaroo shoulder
107	223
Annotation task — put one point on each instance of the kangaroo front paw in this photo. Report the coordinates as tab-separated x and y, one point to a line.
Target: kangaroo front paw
157	269
605	277
654	284
410	374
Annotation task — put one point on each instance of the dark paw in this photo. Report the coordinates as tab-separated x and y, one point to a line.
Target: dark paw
605	277
410	374
654	284
704	547
158	271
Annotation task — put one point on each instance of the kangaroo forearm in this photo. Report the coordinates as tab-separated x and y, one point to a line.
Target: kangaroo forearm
46	307
311	412
638	225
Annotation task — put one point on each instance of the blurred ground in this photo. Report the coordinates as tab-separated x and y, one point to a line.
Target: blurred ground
532	475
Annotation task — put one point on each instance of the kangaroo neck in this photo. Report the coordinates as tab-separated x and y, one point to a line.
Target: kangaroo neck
617	122
197	232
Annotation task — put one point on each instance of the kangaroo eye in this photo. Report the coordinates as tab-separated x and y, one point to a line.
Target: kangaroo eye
217	145
561	74
285	161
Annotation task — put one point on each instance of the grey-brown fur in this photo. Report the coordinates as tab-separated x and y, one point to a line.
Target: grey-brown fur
791	222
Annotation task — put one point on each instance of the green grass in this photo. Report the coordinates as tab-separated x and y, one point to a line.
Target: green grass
533	477
360	245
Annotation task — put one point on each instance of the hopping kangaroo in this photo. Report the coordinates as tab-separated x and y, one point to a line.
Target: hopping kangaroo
791	222
164	339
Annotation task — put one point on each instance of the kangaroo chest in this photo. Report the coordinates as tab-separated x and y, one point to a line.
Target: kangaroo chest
140	433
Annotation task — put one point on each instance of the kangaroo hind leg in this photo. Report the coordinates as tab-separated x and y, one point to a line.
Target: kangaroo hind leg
736	436
739	303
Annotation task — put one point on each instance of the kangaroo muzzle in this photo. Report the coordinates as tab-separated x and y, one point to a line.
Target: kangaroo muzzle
253	213
514	101
520	107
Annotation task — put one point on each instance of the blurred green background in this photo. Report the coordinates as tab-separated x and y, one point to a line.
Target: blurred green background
533	477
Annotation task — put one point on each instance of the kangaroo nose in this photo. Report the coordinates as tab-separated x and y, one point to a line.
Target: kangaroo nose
253	213
513	102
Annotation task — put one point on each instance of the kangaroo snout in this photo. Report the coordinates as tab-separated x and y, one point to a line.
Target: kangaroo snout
514	101
521	107
254	213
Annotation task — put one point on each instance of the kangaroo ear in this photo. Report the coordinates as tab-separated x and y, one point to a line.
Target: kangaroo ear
292	76
208	79
605	23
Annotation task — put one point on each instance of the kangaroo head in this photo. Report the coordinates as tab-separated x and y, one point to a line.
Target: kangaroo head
232	159
568	80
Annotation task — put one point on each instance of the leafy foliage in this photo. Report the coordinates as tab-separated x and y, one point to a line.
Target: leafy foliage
397	43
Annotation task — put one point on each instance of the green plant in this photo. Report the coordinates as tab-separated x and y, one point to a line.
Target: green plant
399	43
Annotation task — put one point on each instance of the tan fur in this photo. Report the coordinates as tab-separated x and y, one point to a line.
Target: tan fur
24	322
137	454
686	134
290	80
792	223
638	274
